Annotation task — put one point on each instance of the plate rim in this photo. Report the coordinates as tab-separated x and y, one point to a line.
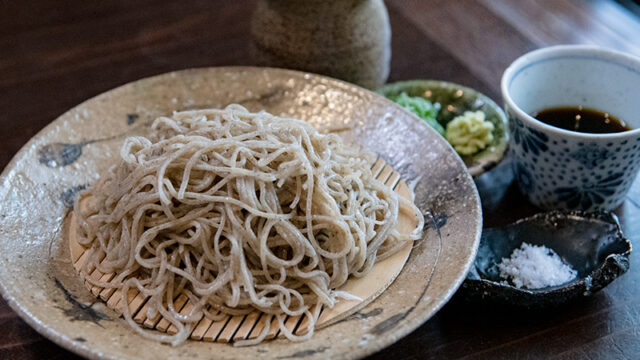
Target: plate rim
411	324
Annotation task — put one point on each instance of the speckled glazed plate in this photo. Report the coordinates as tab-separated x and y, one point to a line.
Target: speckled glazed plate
36	274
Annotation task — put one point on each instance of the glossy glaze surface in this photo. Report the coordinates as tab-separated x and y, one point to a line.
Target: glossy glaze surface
36	275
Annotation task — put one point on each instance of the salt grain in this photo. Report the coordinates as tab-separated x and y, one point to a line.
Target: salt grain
535	267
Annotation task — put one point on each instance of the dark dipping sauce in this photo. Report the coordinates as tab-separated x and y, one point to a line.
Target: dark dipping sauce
581	119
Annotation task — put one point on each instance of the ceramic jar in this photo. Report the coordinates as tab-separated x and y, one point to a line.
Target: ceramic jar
345	39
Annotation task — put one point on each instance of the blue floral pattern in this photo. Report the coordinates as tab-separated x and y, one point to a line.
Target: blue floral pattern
524	178
529	139
591	155
558	170
590	193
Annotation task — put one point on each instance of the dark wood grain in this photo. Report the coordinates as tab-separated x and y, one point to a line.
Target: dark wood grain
55	54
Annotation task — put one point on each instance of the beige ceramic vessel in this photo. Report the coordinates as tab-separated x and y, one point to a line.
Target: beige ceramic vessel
36	188
345	39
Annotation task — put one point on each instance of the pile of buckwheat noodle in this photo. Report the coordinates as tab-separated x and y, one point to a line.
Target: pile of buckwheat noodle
239	211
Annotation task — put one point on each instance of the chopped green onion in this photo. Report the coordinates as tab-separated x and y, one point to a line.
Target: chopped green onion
425	110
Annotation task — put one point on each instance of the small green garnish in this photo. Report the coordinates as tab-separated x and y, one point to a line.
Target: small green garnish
424	108
470	132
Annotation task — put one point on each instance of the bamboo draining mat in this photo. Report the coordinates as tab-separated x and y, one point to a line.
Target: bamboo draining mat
233	328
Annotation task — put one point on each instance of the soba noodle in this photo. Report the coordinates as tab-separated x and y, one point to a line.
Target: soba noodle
239	211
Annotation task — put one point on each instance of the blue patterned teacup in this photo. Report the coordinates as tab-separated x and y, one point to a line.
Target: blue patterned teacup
562	169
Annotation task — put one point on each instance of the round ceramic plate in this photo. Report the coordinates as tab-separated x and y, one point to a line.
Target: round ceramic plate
37	187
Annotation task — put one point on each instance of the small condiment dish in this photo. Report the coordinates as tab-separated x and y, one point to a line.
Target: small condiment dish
591	242
454	100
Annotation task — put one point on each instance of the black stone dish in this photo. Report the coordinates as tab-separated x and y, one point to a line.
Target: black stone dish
591	242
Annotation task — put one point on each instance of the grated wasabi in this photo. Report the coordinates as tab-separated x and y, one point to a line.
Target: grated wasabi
469	133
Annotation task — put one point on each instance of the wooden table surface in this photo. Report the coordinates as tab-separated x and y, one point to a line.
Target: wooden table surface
55	54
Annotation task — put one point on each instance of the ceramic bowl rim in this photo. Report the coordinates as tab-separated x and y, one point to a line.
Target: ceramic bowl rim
551	53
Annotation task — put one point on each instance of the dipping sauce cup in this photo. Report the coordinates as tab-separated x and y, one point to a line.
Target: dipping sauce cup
562	169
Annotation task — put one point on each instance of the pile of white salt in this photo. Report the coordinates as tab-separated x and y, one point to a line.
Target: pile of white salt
535	267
